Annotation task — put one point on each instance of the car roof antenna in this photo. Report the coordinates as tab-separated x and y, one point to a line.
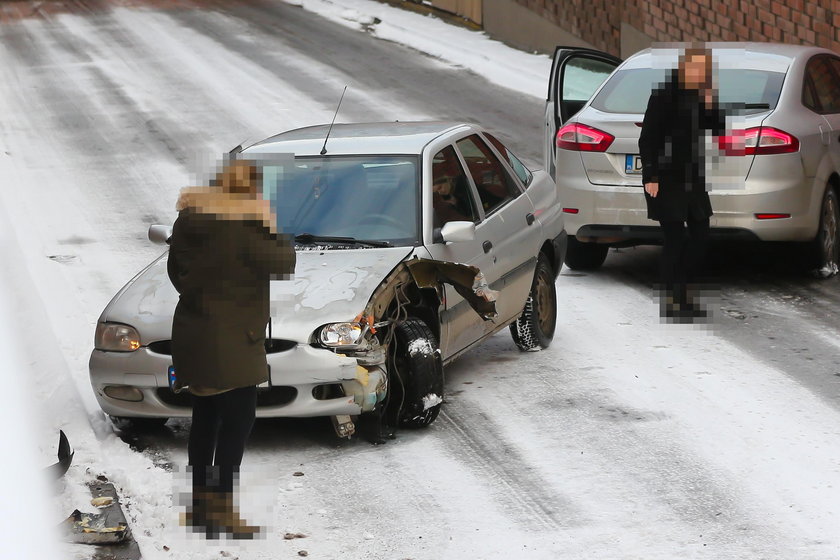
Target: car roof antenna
324	149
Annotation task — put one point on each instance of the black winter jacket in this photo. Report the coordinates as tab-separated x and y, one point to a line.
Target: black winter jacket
671	146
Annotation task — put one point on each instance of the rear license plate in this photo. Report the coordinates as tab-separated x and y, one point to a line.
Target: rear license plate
633	164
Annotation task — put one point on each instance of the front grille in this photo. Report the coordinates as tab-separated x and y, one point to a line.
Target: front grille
275	396
272	346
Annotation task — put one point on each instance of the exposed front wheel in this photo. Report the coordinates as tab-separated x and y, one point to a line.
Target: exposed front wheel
585	256
535	327
415	369
827	244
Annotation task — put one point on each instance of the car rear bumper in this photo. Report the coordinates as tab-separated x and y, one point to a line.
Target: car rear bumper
305	382
774	184
619	214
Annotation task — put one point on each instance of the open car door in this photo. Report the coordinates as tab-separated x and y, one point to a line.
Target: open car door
575	75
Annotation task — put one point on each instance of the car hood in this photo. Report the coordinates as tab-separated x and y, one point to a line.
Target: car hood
327	286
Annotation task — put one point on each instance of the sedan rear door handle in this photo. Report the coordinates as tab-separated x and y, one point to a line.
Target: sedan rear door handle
487	246
529	218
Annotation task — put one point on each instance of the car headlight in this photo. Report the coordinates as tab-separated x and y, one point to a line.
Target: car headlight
116	337
342	335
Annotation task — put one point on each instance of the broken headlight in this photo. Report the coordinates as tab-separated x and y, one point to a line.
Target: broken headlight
342	335
116	337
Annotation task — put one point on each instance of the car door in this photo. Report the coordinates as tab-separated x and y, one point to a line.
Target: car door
508	231
576	73
814	126
454	199
829	97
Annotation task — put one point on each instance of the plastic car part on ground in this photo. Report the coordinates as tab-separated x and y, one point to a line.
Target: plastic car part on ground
108	526
65	457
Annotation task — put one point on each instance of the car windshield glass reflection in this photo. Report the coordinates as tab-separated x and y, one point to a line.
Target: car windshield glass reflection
628	90
336	200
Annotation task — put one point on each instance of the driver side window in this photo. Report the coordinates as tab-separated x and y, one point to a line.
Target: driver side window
452	200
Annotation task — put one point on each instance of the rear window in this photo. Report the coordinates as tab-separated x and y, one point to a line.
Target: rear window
627	91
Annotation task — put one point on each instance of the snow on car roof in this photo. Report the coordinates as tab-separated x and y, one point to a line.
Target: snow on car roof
357	138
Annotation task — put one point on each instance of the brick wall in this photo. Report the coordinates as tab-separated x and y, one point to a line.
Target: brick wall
811	22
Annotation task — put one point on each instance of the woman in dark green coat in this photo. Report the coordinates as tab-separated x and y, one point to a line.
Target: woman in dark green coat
223	251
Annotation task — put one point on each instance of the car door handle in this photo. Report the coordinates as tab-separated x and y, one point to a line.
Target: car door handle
487	246
529	218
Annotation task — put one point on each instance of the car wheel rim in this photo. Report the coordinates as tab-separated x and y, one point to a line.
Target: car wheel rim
829	230
546	310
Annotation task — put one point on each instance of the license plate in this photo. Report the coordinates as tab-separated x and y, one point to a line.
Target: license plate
633	164
170	374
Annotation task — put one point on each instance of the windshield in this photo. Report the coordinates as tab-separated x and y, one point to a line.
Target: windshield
371	198
627	91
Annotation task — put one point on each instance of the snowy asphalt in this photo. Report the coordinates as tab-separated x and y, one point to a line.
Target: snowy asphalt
626	439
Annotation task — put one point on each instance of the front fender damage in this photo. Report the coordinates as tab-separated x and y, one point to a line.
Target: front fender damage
392	302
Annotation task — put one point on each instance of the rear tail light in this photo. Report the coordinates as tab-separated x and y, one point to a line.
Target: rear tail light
581	138
765	140
771	216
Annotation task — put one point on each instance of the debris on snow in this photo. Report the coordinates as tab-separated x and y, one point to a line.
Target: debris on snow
102	501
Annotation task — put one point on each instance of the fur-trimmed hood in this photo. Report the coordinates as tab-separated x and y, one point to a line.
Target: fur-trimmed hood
224	205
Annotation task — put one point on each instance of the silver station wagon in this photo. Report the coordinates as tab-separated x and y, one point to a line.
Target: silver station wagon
414	241
783	186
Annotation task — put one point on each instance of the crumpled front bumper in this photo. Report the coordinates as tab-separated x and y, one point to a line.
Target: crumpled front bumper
306	381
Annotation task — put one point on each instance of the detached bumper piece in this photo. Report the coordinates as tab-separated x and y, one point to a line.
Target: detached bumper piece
107	527
94	528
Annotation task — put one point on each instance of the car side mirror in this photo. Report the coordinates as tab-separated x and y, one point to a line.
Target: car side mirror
160	234
454	232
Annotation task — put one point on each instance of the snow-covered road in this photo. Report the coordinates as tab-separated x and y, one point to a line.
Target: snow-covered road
627	439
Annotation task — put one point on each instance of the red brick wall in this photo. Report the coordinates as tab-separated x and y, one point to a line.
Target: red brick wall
811	22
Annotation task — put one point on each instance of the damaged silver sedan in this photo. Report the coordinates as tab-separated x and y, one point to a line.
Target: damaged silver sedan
415	242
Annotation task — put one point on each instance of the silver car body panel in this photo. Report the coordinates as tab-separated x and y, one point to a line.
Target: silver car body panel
596	185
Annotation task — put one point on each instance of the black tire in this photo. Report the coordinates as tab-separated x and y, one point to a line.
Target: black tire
534	329
585	256
826	246
415	375
137	425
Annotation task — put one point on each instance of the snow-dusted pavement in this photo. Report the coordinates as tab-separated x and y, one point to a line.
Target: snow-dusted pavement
627	439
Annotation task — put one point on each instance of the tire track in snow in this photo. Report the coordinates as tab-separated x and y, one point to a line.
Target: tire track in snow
530	499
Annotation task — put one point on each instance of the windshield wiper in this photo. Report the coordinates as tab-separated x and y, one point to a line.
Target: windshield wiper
310	238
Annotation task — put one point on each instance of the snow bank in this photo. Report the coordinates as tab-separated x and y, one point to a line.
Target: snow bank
472	50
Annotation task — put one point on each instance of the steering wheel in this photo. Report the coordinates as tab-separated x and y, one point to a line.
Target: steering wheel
383	219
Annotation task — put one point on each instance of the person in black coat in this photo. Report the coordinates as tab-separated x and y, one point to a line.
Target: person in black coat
223	251
671	146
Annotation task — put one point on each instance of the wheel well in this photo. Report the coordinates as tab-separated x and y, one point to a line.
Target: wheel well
548	250
834	182
423	304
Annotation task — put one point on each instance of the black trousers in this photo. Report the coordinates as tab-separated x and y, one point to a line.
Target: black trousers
220	427
683	253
